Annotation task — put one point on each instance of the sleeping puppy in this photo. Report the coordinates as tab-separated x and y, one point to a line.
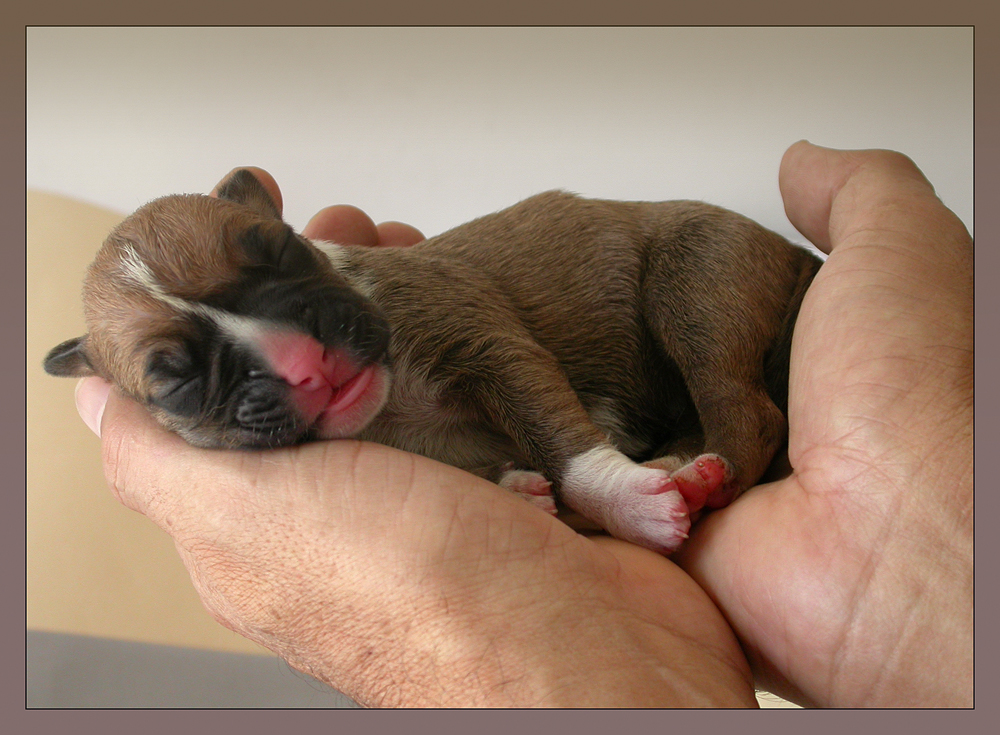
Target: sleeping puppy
627	358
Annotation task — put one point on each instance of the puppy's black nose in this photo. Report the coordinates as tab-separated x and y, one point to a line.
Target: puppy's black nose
337	316
354	324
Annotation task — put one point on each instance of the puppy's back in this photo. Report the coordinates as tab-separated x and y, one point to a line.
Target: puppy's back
579	271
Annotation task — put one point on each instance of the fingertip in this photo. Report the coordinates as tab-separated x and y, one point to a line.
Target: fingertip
343	224
91	396
398	234
809	178
798	148
797	156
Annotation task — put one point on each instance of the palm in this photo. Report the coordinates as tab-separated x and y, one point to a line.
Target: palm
821	573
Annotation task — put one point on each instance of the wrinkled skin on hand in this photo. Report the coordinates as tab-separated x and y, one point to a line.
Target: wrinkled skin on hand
850	582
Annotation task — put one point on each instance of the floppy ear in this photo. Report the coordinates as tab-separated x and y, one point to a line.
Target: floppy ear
244	188
69	360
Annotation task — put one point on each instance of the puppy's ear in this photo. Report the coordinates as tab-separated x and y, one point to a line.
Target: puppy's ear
69	360
244	188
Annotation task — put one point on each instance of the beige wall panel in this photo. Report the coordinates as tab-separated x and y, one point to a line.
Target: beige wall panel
94	567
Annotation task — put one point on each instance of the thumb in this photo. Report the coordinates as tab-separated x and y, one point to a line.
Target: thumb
360	489
91	398
886	327
133	446
810	178
831	195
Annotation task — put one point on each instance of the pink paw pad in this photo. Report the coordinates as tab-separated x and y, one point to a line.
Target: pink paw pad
702	482
530	486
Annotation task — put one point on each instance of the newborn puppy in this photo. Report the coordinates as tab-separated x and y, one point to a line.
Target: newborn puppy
629	357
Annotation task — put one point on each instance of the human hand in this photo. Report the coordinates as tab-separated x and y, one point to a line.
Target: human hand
850	582
402	581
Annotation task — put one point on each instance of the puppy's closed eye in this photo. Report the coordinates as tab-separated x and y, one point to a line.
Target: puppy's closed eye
176	386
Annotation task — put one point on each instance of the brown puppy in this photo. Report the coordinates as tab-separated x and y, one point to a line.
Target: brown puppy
554	344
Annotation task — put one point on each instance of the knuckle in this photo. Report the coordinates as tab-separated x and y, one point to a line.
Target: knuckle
895	162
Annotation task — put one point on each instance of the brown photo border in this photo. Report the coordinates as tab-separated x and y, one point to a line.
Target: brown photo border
20	14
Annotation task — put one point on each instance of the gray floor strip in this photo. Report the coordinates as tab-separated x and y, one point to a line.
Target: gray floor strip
73	671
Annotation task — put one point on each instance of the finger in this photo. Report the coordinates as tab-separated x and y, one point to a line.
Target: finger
262	176
398	234
140	458
899	276
885	330
809	178
890	231
182	489
342	224
831	196
185	490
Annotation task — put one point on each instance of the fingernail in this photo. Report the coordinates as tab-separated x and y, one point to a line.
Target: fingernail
91	398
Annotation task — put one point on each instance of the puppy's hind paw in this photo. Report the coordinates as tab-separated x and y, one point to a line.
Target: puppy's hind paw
530	486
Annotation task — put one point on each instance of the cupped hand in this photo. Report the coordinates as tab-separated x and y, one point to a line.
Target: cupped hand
850	582
402	581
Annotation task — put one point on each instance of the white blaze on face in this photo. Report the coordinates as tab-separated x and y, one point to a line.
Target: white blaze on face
335	252
244	330
327	385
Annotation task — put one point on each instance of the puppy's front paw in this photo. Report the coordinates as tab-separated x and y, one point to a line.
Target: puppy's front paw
530	486
633	503
658	520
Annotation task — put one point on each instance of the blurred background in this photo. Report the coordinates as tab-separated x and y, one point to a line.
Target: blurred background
429	126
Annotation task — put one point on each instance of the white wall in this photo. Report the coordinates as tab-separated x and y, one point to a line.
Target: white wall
436	126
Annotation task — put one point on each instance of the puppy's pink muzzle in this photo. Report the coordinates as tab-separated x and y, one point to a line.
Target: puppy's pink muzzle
321	378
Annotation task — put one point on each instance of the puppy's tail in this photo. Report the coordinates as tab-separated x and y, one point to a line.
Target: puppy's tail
776	362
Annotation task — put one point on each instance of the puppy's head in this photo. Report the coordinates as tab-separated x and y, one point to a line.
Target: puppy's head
232	329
